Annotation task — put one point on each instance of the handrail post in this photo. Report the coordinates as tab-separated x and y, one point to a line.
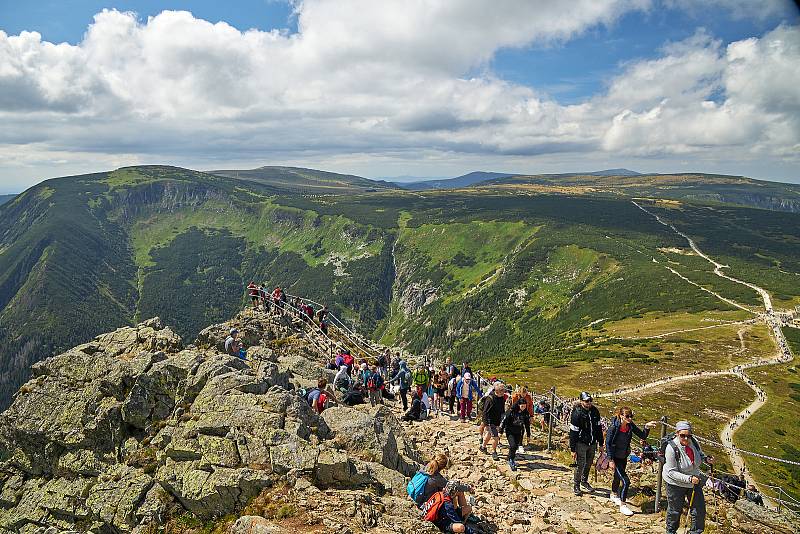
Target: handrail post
550	426
660	465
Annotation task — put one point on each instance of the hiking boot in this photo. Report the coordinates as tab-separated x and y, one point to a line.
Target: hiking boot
512	464
577	491
483	449
494	455
624	510
588	486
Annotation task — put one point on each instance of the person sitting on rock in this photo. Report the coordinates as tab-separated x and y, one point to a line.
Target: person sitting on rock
232	343
342	380
752	494
414	413
455	509
318	396
436	481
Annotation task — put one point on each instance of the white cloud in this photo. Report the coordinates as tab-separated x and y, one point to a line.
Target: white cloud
387	79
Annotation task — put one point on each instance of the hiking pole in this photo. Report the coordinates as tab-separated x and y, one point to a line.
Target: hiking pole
689	510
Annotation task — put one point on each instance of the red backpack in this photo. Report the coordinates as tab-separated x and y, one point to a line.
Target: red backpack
432	508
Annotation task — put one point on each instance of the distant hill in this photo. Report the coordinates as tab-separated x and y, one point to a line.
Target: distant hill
311	181
465	180
6	198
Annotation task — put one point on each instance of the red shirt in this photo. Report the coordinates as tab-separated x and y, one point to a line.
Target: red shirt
690	453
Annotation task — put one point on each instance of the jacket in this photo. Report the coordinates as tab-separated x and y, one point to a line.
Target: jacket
516	421
612	449
472	388
584	426
403	377
493	409
678	470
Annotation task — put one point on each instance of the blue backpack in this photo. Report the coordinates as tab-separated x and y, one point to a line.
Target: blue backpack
416	487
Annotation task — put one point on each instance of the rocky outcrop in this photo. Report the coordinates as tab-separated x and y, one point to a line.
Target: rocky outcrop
133	427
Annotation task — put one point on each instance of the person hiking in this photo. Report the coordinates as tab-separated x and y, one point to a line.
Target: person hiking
515	422
322	315
348	360
403	379
263	296
465	368
342	381
276	299
522	393
317	397
585	435
374	384
439	382
684	480
420	377
395	364
451	390
252	290
543	409
453	510
383	362
232	343
466	390
493	409
618	448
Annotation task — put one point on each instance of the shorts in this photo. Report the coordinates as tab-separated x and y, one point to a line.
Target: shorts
493	430
441	391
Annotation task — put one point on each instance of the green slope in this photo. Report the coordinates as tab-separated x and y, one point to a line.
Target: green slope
307	181
6	198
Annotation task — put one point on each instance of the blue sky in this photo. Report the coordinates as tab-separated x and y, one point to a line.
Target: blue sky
386	89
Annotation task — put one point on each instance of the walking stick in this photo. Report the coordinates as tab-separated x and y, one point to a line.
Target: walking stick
689	510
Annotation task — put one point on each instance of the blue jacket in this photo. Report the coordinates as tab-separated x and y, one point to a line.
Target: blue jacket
472	387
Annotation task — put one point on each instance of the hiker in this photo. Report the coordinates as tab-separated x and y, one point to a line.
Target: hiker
420	377
348	360
383	362
585	435
317	397
415	412
522	393
514	423
465	368
263	296
252	290
465	390
403	379
374	384
449	510
342	380
618	447
543	409
331	365
322	315
451	391
681	472
232	343
395	366
276	298
439	382
493	409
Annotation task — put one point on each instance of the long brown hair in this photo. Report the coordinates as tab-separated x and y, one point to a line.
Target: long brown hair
623	410
439	462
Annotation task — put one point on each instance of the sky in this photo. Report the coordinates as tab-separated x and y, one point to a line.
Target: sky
423	88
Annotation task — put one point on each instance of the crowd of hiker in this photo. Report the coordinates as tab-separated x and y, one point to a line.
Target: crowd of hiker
499	411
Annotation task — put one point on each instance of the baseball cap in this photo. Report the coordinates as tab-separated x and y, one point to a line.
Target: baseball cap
585	396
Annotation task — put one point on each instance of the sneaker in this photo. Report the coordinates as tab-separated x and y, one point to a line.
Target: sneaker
588	486
577	491
483	449
494	455
616	501
512	464
624	510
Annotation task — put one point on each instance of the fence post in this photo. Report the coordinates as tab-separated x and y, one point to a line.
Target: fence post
660	465
550	426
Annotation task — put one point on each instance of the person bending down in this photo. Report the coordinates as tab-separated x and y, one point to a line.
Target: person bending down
455	510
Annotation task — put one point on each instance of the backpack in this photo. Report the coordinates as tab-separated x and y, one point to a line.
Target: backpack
374	382
670	440
420	377
416	486
382	360
348	359
432	508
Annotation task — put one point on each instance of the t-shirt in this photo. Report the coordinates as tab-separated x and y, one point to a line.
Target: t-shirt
690	453
231	345
313	395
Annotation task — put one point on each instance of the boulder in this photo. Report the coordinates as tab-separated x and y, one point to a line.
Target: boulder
250	524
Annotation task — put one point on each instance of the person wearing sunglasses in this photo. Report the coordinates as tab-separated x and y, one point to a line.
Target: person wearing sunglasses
585	434
684	480
618	448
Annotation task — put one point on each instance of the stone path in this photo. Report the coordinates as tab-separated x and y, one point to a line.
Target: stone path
535	498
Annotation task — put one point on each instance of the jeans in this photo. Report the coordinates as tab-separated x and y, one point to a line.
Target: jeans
466	408
584	459
452	400
514	441
676	497
621	479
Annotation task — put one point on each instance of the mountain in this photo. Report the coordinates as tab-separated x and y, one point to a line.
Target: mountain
6	198
307	181
465	180
542	280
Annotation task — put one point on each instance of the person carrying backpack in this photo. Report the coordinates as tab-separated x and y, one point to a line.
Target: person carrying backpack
383	362
317	397
493	409
421	378
428	480
585	435
252	290
374	383
684	480
618	448
448	509
342	380
515	422
232	343
403	379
